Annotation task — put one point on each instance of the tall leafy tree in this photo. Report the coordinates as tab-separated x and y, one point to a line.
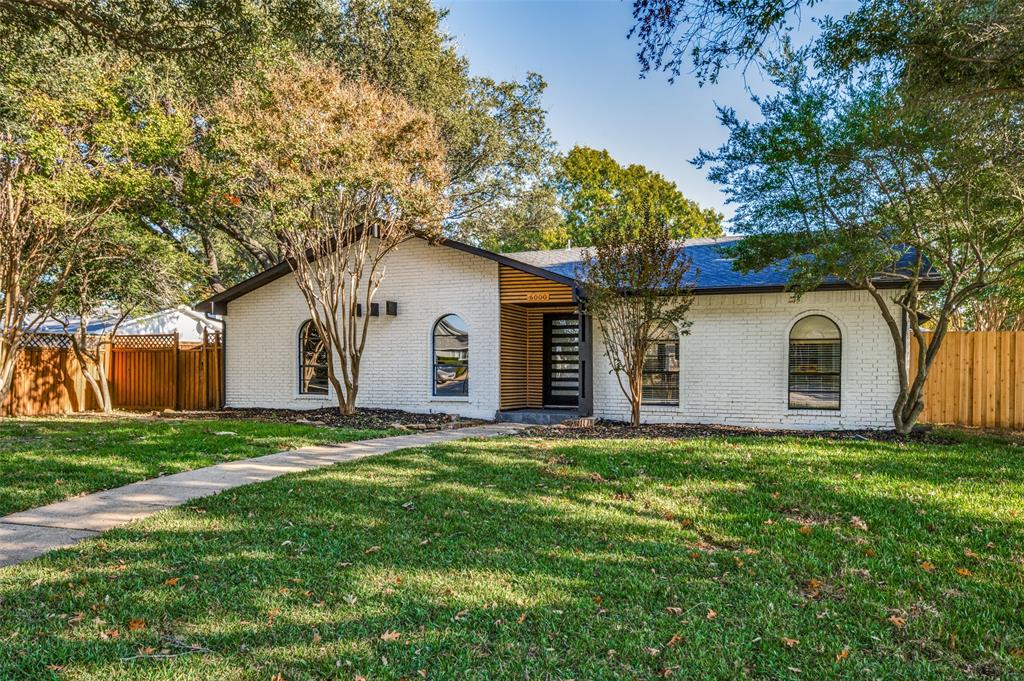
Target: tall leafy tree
77	145
496	140
592	186
840	179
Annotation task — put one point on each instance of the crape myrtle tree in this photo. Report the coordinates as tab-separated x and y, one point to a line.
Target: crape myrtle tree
634	282
118	271
843	180
76	146
342	172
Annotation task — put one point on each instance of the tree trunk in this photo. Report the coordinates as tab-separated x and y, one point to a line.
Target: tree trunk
8	361
636	398
348	406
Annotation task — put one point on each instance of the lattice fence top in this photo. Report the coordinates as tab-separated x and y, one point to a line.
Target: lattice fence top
46	340
157	341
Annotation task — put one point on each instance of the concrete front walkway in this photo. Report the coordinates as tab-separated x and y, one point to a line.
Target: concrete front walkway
31	533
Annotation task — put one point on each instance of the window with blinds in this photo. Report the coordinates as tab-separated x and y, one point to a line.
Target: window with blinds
815	364
661	369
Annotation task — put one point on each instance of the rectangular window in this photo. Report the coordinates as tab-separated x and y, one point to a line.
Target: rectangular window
814	372
661	373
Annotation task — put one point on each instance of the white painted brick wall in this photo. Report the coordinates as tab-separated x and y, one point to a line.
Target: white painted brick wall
733	365
427	282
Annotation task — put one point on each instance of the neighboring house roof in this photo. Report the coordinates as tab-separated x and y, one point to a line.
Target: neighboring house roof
132	325
710	272
711	268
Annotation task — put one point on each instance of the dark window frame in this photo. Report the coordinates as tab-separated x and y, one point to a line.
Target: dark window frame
435	365
676	374
303	364
790	373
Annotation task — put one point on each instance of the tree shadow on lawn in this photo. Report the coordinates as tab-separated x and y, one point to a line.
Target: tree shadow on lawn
504	558
51	460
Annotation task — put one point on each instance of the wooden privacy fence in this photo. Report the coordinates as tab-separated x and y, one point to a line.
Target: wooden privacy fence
145	372
977	379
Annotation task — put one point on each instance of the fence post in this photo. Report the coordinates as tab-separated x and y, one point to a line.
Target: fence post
205	369
177	377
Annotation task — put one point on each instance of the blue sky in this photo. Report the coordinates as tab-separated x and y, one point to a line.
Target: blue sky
595	96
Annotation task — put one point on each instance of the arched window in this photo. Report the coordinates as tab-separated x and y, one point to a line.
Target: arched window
661	367
451	357
312	361
815	358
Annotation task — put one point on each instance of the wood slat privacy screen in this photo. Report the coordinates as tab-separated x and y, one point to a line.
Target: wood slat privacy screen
522	288
522	354
146	372
977	379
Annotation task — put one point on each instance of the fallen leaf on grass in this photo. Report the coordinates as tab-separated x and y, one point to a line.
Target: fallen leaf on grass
971	554
372	549
390	636
870	553
173	581
927	567
842	654
859	524
898	622
964	572
789	642
136	625
653	652
805	530
673	610
272	615
712	614
674	641
521	618
461	615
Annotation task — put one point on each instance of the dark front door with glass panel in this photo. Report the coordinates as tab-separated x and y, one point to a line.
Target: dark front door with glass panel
561	360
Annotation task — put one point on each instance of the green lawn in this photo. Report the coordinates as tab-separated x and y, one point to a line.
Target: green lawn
50	459
532	559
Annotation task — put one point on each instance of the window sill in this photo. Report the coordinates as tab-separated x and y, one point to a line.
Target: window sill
311	398
670	408
436	398
814	412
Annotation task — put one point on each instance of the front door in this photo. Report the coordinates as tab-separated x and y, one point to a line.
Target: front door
561	360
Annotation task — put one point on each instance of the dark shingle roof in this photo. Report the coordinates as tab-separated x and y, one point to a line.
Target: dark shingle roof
711	268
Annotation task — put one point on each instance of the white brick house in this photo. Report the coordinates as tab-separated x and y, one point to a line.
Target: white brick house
463	330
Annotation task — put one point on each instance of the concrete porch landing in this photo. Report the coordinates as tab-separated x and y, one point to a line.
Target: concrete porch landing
27	534
538	417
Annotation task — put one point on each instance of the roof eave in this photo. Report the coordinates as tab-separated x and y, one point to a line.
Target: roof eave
218	303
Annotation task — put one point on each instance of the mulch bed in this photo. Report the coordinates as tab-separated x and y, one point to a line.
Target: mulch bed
363	418
606	430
